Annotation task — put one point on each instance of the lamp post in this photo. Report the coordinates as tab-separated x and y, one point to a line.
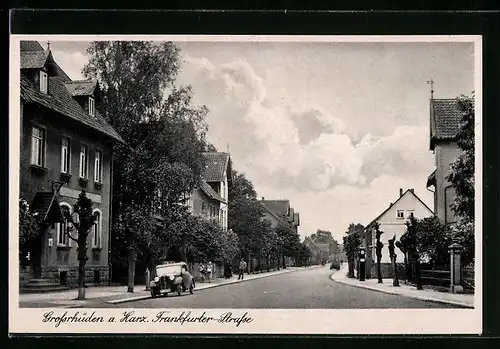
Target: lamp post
362	263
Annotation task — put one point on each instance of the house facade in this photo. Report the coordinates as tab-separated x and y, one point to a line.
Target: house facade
210	197
445	116
66	147
392	222
280	212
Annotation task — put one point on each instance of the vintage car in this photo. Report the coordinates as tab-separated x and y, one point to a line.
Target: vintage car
168	277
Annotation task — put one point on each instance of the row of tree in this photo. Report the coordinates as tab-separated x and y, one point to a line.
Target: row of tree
258	240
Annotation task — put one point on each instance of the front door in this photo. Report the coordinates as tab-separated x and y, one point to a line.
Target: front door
35	255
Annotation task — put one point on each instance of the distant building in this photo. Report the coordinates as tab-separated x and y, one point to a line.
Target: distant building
280	212
319	251
66	147
392	221
445	116
210	197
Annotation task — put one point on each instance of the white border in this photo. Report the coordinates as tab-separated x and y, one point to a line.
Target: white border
276	321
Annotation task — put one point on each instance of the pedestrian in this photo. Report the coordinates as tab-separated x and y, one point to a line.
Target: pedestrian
202	272
242	268
187	278
209	271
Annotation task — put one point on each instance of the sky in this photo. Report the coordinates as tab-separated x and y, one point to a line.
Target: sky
335	127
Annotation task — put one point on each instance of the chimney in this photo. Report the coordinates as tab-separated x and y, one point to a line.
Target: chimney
400	192
263	198
412	190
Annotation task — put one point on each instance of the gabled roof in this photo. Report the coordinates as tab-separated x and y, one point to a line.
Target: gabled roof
412	192
27	46
217	164
81	87
34	59
279	207
444	120
278	218
212	194
431	180
60	100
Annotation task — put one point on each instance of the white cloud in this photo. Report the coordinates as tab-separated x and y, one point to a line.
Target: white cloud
72	63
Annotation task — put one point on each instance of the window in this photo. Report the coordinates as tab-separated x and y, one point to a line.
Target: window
84	155
65	155
38	146
203	209
91	106
401	214
98	167
61	228
43	81
96	230
411	214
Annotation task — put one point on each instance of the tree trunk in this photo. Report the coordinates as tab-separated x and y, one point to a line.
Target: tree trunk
395	279
350	262
284	261
406	269
82	259
268	263
132	258
278	260
417	271
379	271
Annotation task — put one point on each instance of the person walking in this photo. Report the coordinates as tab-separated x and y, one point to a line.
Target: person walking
210	269
242	268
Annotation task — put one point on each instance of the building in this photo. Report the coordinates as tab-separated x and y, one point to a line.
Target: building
66	147
445	116
210	197
280	211
392	221
320	252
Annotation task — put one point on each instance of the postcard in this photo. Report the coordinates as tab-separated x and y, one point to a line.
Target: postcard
245	184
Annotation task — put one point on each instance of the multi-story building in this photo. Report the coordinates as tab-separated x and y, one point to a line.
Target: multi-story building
445	116
392	221
210	197
66	147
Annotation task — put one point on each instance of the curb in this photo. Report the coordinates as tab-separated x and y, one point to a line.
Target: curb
138	298
422	298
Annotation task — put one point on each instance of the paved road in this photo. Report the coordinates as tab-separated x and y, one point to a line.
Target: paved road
311	288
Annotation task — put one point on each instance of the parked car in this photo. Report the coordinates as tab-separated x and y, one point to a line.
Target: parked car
171	277
335	265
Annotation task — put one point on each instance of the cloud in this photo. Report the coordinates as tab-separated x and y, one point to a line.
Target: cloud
304	149
71	62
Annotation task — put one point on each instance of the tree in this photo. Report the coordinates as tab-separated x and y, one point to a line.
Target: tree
351	244
393	256
304	255
84	223
412	228
462	170
378	249
402	244
165	135
227	246
289	241
326	237
29	227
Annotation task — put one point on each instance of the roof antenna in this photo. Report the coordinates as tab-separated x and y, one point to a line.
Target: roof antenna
431	82
227	148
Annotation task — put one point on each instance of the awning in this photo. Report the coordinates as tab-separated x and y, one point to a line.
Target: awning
46	205
431	180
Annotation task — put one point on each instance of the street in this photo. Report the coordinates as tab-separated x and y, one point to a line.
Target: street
308	289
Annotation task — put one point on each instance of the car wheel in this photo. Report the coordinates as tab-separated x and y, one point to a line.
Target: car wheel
179	290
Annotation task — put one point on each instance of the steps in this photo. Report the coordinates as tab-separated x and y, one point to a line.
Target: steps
42	286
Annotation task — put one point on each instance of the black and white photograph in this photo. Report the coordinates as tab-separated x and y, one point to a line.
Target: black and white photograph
245	184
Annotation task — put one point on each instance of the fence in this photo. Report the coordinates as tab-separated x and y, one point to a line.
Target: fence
435	277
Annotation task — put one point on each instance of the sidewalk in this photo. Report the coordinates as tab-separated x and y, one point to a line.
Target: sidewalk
462	300
119	294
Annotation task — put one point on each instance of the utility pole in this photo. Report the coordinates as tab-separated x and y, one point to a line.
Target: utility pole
431	82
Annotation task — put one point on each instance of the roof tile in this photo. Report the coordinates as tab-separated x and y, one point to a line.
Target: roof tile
81	87
216	165
445	118
60	100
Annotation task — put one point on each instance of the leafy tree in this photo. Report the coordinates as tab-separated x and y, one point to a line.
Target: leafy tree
289	241
304	255
462	170
29	227
241	188
351	244
326	237
403	244
227	246
84	223
164	134
412	230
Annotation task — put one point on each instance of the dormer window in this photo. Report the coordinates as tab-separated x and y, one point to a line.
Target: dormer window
91	106
43	81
